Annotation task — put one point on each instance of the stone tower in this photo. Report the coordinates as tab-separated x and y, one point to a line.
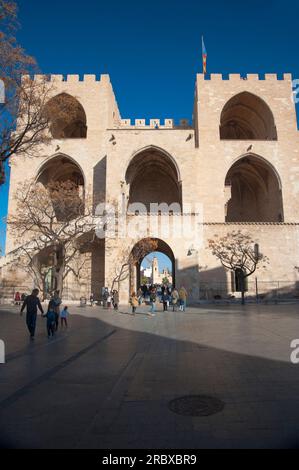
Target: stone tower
155	271
238	161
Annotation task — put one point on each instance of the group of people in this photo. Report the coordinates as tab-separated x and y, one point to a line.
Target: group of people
32	304
110	299
175	298
18	298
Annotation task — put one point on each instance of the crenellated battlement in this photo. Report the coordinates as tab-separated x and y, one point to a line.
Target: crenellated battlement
152	124
200	77
249	76
70	78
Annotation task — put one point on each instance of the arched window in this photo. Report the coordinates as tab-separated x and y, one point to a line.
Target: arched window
62	176
253	192
247	117
67	118
153	178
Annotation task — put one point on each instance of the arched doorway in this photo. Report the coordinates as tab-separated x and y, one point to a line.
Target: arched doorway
66	117
247	117
153	177
60	182
138	256
253	192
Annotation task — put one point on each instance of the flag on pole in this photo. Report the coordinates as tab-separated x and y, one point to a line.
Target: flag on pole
204	56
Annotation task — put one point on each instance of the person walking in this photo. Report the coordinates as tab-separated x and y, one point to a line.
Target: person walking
165	300
51	319
153	299
57	302
140	296
91	299
134	302
183	298
63	317
109	300
32	303
105	297
115	299
17	298
174	300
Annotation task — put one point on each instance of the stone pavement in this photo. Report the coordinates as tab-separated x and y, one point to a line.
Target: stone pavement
107	381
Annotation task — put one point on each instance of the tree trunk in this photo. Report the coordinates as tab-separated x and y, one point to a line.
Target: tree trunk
44	293
60	268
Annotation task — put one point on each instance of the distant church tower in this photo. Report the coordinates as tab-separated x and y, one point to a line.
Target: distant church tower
155	271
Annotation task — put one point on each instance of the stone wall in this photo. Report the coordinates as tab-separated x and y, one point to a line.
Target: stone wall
202	161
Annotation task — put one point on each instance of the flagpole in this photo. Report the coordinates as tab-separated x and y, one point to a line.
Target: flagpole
204	56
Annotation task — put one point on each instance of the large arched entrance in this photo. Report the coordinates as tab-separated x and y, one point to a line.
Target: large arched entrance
153	177
140	251
62	176
247	117
253	192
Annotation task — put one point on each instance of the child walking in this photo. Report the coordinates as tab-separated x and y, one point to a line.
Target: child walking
51	319
63	316
134	302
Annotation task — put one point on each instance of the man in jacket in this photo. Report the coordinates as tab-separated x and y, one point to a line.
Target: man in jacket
32	303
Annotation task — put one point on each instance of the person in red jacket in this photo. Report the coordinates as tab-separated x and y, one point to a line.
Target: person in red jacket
17	298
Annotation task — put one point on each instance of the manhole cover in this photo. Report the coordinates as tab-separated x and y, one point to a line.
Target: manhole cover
196	405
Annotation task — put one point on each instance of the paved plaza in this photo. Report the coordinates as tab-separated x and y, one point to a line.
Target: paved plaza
107	381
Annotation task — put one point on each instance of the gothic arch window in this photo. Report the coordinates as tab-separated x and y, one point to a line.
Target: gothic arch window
253	191
247	117
62	171
60	168
67	118
153	177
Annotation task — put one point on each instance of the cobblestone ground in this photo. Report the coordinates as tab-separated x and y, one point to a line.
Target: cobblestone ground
107	380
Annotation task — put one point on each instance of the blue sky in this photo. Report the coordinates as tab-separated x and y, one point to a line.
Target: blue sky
152	50
164	261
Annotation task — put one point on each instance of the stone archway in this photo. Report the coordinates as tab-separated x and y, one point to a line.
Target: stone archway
67	118
153	177
61	167
253	191
161	247
63	184
247	117
62	173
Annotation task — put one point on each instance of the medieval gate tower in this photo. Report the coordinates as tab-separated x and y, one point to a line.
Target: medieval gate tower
239	159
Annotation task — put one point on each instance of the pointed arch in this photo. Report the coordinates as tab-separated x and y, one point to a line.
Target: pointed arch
246	116
60	166
253	190
160	150
153	176
67	117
